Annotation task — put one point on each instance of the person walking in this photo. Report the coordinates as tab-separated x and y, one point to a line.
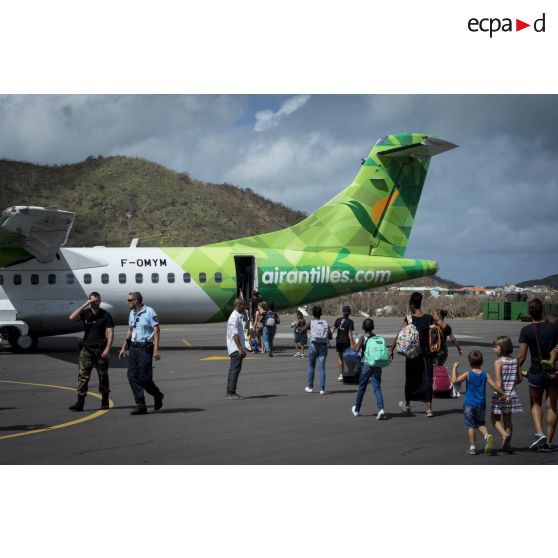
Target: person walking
442	355
271	320
344	327
507	376
474	405
94	348
259	325
235	347
420	369
300	339
142	344
369	372
540	338
317	349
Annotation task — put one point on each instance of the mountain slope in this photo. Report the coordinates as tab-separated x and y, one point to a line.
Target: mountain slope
119	198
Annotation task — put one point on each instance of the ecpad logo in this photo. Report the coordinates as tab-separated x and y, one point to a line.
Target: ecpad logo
494	24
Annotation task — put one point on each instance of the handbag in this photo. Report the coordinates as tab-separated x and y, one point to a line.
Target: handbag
548	371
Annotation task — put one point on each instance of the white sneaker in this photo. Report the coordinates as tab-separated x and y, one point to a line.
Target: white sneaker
403	407
322	392
340	379
355	412
429	413
308	389
381	415
296	354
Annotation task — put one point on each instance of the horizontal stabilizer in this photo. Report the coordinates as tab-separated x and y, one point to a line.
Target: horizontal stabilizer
40	231
429	147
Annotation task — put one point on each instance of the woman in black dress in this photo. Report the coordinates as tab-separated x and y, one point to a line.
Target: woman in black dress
418	370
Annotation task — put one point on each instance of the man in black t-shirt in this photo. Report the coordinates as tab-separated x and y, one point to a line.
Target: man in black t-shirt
344	327
95	348
540	338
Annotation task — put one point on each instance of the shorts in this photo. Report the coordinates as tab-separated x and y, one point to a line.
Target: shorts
474	416
536	379
340	347
301	338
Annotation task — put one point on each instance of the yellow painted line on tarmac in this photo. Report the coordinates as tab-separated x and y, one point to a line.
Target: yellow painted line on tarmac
186	342
94	415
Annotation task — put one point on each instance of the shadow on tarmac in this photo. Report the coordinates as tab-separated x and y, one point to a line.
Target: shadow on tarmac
163	411
22	427
265	396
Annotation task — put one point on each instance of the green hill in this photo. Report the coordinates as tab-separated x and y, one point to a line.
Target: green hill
550	281
118	198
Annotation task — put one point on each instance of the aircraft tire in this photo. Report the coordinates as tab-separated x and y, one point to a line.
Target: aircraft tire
22	343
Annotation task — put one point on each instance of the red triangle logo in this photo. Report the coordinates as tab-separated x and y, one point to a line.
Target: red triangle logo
519	25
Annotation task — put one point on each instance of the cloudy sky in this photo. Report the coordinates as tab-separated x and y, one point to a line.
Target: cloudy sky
489	209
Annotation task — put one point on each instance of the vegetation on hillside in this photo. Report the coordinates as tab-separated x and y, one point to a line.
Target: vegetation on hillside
119	198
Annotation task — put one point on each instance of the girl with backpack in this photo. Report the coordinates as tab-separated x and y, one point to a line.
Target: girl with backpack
374	357
419	361
440	319
317	349
271	320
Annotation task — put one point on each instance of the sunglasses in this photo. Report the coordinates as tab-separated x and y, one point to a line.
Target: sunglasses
131	299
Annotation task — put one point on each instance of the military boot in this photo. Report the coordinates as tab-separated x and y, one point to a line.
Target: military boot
105	401
78	405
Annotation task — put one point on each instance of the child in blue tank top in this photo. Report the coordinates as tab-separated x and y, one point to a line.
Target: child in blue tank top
474	405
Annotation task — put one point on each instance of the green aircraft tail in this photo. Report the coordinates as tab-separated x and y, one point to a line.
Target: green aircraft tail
375	214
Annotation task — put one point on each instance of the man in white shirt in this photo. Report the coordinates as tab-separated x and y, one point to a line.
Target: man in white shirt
235	346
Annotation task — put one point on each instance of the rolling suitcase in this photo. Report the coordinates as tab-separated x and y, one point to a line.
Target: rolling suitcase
351	369
441	383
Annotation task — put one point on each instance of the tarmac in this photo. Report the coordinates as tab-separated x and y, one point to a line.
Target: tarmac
276	423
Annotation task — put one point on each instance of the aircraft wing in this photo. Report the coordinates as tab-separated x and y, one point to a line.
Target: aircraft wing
32	232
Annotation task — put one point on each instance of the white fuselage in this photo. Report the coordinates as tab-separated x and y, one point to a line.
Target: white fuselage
44	295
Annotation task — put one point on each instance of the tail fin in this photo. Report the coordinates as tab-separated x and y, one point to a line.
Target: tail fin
375	214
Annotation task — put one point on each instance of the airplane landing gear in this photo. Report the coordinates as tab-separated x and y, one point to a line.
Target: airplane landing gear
21	343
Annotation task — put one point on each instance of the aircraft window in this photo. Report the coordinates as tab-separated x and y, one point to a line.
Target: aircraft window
122	278
34	279
170	277
186	278
17	279
105	278
69	278
87	278
139	277
1	279
203	277
51	279
154	277
218	277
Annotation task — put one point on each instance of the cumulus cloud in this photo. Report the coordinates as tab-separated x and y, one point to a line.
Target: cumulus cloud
488	209
266	119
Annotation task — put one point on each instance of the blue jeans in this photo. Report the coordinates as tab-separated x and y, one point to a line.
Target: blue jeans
367	372
316	352
268	335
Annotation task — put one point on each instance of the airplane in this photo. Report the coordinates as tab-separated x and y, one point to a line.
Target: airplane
355	242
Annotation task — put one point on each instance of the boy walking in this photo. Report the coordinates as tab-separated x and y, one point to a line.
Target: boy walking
474	405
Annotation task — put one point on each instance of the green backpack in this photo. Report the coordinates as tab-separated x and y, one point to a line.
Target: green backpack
376	352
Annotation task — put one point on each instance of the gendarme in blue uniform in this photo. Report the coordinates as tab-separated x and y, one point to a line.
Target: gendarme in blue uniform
142	323
140	360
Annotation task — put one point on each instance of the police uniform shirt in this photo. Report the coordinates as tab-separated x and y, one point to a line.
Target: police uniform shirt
96	325
142	323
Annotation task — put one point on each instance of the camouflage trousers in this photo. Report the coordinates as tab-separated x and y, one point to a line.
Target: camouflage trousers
89	358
